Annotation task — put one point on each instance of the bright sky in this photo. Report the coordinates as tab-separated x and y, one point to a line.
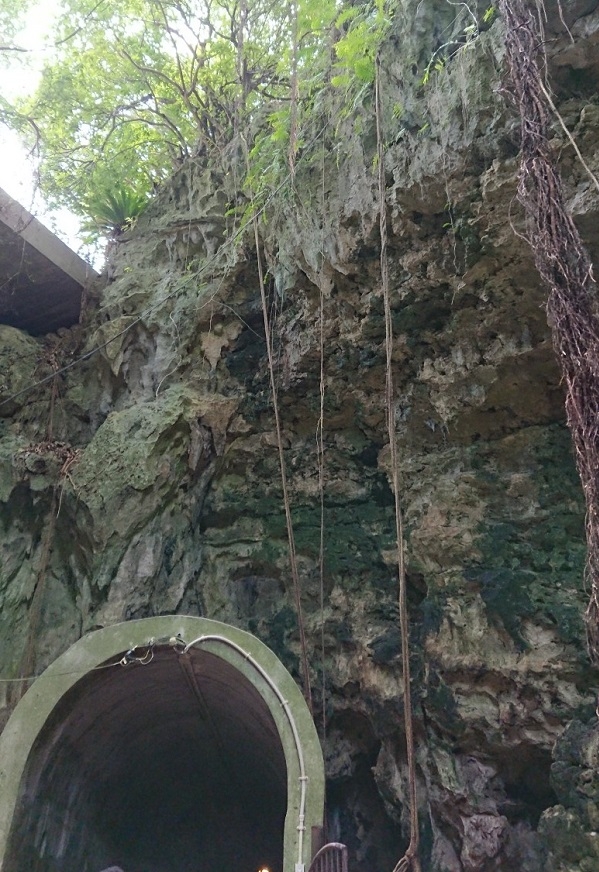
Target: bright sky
17	169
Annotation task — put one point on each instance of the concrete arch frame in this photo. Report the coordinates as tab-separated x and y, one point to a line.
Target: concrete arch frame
242	651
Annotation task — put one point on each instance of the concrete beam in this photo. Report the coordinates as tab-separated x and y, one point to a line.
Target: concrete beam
41	278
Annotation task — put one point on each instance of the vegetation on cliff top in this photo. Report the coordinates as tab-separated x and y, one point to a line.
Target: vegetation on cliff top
131	90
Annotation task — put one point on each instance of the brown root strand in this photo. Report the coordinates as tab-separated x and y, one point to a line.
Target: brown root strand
566	269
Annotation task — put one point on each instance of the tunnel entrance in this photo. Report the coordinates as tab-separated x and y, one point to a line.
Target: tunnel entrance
161	756
175	764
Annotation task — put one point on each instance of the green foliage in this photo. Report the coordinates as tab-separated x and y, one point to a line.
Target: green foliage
132	89
364	26
15	55
136	87
113	211
12	15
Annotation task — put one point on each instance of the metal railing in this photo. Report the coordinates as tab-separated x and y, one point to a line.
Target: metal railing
331	858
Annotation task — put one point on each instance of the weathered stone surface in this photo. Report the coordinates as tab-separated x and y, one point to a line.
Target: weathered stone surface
18	360
174	503
571	827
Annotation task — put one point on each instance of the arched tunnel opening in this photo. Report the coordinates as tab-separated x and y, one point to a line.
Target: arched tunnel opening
175	764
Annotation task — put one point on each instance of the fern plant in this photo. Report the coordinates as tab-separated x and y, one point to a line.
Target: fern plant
113	211
364	26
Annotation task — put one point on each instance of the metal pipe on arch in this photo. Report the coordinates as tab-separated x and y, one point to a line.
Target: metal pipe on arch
303	778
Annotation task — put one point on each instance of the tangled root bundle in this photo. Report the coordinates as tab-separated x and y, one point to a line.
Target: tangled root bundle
566	269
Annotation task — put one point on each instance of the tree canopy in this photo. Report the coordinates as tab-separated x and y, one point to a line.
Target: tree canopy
131	89
12	14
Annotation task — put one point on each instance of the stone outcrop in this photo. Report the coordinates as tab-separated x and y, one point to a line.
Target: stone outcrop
157	455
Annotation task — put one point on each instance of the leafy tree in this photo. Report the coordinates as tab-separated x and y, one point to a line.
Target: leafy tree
12	15
131	89
134	88
14	53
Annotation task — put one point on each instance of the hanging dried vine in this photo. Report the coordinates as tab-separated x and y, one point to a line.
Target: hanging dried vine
282	467
409	862
566	269
293	564
320	453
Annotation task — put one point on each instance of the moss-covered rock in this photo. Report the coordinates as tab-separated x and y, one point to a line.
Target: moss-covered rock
174	503
19	358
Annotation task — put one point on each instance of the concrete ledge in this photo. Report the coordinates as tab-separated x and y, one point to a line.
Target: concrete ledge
41	278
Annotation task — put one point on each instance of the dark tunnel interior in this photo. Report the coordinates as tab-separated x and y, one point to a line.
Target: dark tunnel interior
173	765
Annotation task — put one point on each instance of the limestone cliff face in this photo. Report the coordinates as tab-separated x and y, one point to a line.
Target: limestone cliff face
157	456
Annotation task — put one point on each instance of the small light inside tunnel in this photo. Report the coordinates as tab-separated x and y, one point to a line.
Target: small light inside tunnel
264	869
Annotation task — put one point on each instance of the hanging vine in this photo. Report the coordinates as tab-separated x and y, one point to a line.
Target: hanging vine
283	470
566	269
295	579
409	862
320	451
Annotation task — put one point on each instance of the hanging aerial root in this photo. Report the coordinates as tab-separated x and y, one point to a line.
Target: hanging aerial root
409	862
566	269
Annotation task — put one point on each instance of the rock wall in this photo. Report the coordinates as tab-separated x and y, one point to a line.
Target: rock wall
145	479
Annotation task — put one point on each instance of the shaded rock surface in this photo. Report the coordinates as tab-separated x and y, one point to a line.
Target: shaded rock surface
169	494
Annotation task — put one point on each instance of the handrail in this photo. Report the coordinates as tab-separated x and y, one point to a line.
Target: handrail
332	857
